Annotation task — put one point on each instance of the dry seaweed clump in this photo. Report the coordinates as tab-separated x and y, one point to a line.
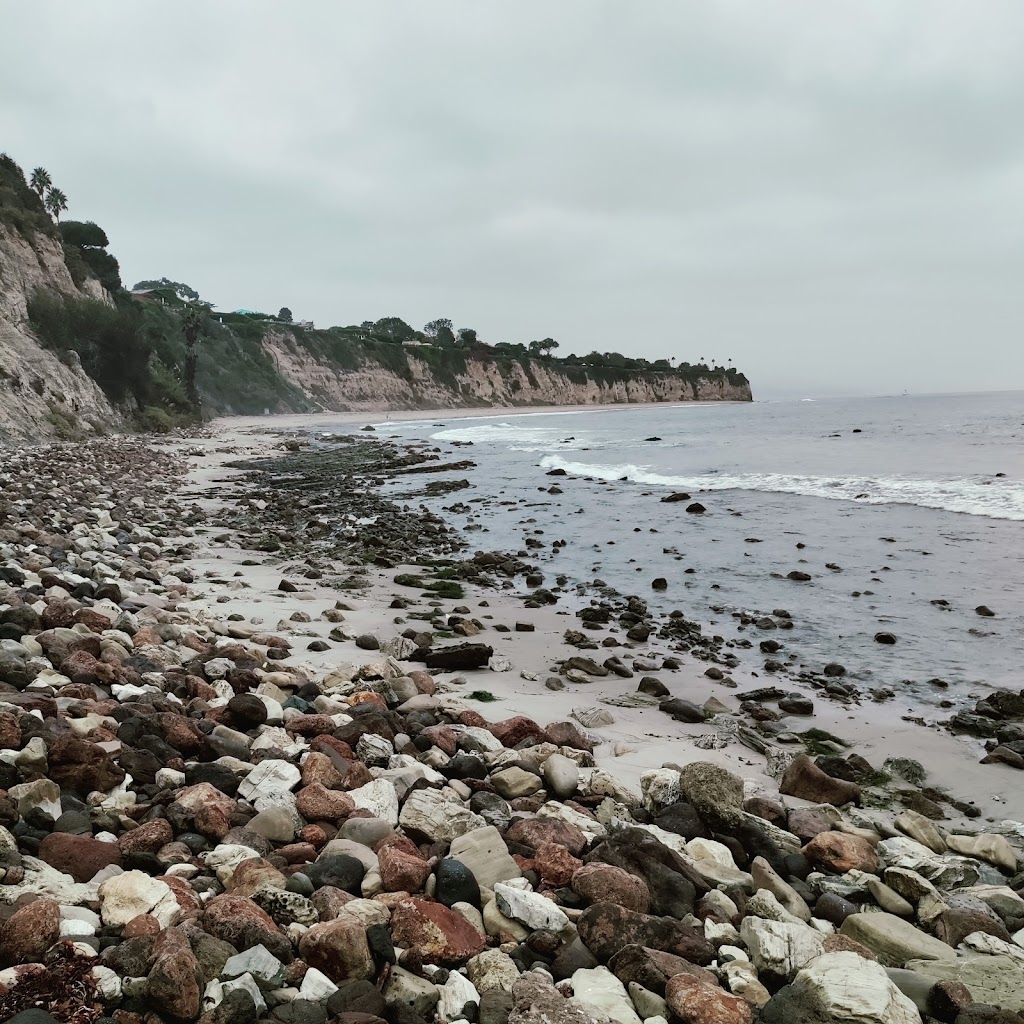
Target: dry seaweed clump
66	989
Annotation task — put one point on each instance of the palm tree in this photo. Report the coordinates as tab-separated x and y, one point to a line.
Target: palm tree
40	181
55	202
191	325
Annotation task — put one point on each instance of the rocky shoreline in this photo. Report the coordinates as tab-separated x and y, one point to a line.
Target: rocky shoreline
246	775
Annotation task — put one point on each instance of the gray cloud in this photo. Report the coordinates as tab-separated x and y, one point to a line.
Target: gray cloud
827	194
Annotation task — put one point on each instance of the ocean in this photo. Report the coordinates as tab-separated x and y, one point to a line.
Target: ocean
907	512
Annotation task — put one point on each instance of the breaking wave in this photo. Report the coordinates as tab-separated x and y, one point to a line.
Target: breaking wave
999	499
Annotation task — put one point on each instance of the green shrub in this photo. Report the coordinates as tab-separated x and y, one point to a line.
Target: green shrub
20	207
103	266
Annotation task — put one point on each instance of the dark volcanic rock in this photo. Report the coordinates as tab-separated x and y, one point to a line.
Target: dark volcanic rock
459	657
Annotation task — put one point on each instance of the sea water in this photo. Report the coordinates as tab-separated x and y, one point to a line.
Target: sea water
907	512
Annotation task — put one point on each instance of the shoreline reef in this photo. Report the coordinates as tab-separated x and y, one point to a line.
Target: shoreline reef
276	744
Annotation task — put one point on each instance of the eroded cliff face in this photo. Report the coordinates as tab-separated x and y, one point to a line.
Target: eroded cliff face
39	394
485	383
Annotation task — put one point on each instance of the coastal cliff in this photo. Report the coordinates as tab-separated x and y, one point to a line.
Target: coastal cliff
423	378
80	355
41	391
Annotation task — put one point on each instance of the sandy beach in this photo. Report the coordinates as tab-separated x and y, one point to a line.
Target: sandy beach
641	738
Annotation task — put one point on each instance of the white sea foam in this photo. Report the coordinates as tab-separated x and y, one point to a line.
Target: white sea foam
536	438
999	499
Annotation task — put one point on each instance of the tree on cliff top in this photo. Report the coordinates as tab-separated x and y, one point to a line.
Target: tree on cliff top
440	330
285	314
40	181
56	203
543	348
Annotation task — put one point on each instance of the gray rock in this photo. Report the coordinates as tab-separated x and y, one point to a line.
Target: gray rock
893	940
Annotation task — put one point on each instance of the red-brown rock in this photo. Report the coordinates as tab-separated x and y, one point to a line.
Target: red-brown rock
339	949
443	737
317	803
401	871
29	932
698	1001
568	734
841	852
78	856
176	981
239	921
149	837
320	769
598	883
536	832
605	928
520	729
441	936
555	864
141	924
81	766
10	731
804	779
329	901
209	809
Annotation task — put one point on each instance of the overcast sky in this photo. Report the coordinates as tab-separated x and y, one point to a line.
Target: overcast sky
830	194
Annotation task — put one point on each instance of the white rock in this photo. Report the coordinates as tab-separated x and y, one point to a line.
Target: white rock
269	778
108	984
437	815
248	983
598	992
71	929
779	948
316	986
846	987
554	809
379	798
226	857
455	993
492	970
259	963
170	778
374	750
714	862
533	910
477	738
602	783
132	893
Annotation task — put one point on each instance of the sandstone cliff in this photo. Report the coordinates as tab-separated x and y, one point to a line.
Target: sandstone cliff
419	383
41	395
